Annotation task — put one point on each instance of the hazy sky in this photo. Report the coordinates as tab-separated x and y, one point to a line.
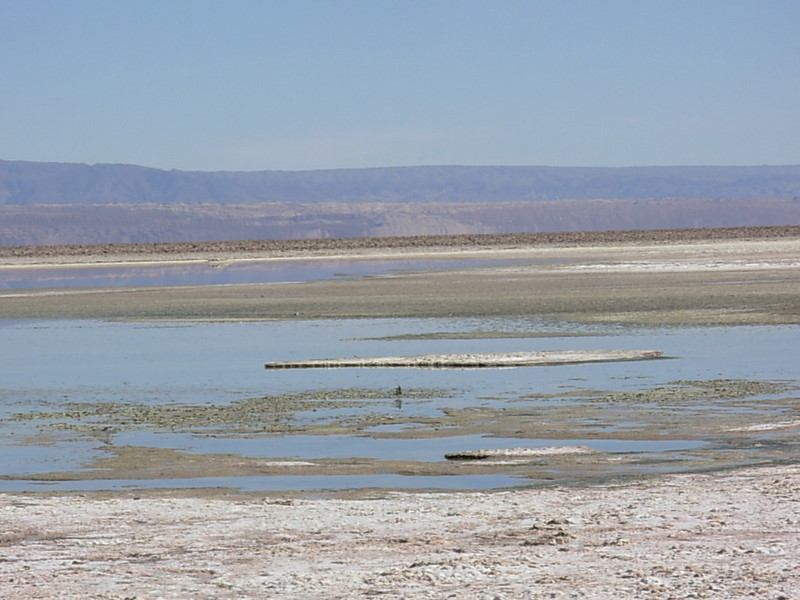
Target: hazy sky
300	84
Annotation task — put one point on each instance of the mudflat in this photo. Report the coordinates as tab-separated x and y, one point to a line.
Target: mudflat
729	276
721	534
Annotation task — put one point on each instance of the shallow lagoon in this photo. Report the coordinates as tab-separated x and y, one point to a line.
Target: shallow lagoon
50	360
49	364
225	273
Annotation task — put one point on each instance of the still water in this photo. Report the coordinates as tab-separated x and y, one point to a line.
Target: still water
46	364
214	273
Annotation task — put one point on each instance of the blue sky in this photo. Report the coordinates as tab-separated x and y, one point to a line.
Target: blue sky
300	84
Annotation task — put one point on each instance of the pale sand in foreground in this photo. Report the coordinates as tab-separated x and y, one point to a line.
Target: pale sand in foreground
719	536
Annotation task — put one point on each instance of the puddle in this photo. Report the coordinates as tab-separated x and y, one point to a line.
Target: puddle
34	457
343	446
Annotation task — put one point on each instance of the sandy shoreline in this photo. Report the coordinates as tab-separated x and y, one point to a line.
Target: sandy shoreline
732	534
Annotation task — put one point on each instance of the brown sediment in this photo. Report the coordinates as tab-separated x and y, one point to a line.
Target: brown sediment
643	279
201	249
737	421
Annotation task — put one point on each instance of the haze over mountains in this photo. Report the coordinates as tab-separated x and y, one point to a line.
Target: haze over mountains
59	203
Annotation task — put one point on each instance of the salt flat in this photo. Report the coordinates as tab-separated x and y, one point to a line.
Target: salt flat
722	534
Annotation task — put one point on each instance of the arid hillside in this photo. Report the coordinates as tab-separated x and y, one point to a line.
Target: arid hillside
53	204
56	225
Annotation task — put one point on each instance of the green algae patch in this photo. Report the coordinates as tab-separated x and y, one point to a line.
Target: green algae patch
724	423
708	409
713	389
306	412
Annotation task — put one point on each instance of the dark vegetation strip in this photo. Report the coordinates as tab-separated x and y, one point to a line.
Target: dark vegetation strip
578	238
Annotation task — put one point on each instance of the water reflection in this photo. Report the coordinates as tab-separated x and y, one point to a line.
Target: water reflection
47	365
346	446
213	273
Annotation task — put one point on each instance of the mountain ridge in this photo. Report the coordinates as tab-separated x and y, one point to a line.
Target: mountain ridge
68	203
25	183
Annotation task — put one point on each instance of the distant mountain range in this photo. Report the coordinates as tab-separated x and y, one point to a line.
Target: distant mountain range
25	183
59	203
